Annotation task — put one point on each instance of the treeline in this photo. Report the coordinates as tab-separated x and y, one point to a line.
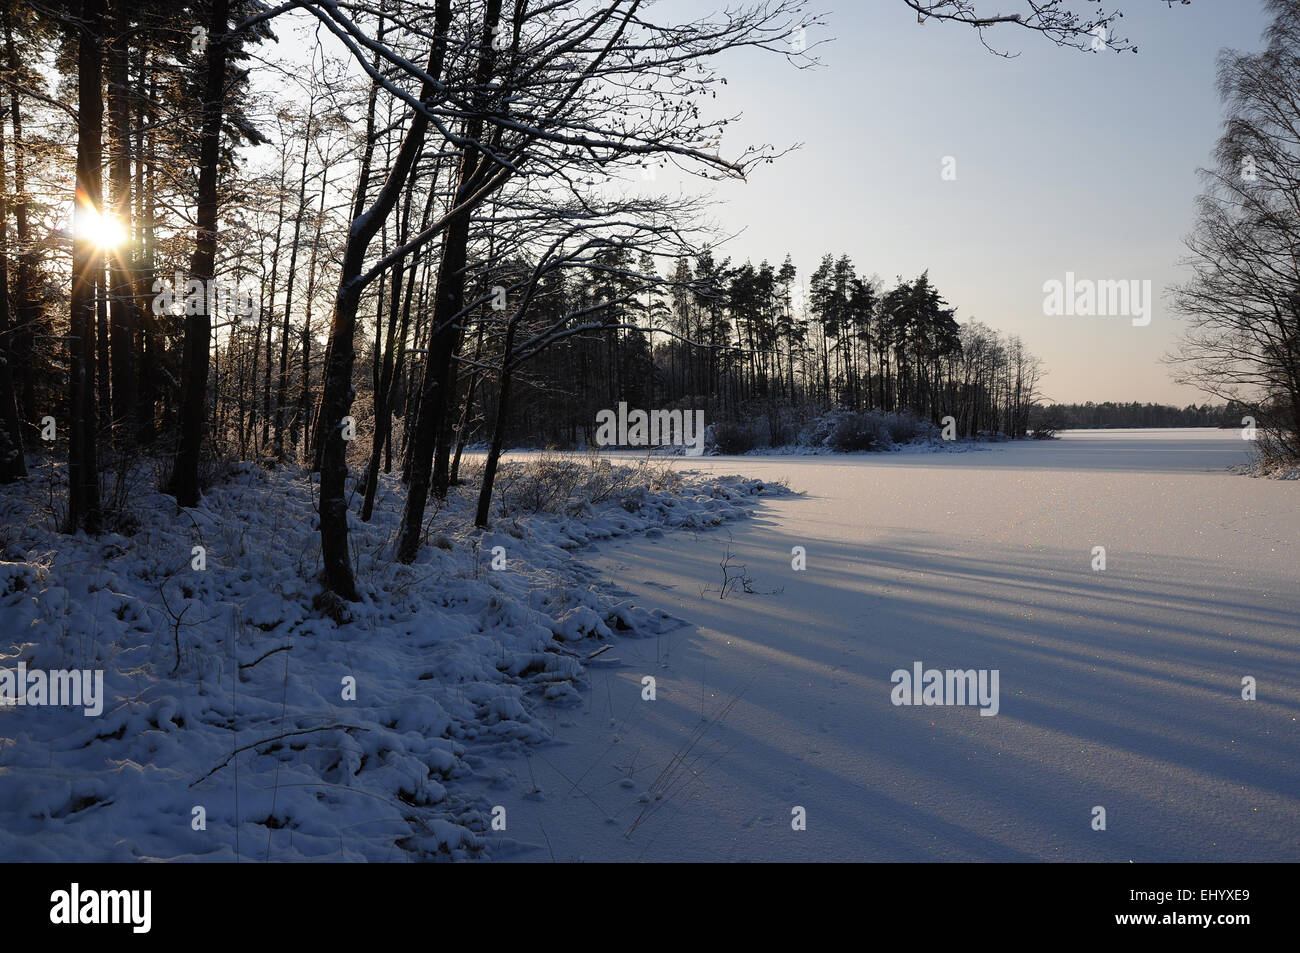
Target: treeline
1109	414
449	191
737	340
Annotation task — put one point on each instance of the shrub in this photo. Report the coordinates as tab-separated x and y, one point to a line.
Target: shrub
817	432
905	427
854	431
1274	450
554	483
731	437
783	427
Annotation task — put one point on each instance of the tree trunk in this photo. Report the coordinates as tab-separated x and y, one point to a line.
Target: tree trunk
103	401
198	327
83	476
463	430
13	465
146	166
301	421
26	308
399	304
336	399
436	388
122	302
498	438
282	390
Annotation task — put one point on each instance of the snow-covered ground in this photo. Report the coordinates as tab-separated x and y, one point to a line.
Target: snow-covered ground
481	702
1119	689
242	717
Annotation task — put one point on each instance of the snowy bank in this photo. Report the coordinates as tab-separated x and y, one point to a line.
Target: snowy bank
245	717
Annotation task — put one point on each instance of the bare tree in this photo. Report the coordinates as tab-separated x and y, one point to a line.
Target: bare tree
336	400
1242	342
567	237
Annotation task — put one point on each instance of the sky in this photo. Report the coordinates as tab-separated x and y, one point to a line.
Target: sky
1065	161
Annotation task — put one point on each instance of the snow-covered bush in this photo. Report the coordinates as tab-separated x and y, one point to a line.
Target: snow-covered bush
907	428
847	431
817	431
1274	453
730	437
859	431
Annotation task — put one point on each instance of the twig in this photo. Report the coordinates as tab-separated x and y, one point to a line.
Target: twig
287	734
282	648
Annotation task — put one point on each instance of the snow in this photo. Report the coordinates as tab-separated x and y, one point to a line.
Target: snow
280	734
479	696
1119	688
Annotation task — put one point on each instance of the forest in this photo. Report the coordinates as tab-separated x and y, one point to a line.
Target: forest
433	226
382	264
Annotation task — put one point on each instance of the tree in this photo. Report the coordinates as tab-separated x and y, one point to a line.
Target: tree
83	469
222	47
1242	342
475	182
13	465
338	390
122	301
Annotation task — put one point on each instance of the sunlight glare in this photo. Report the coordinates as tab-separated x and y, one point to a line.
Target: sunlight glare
103	230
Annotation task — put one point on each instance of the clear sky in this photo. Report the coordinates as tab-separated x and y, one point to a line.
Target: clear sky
1065	161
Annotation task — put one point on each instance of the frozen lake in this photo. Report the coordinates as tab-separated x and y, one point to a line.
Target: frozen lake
1119	689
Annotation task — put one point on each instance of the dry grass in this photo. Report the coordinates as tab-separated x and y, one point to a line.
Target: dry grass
566	484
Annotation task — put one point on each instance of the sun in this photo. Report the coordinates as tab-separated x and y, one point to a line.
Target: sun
104	231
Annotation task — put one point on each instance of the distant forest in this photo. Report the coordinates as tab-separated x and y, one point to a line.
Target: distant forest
1108	415
741	343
